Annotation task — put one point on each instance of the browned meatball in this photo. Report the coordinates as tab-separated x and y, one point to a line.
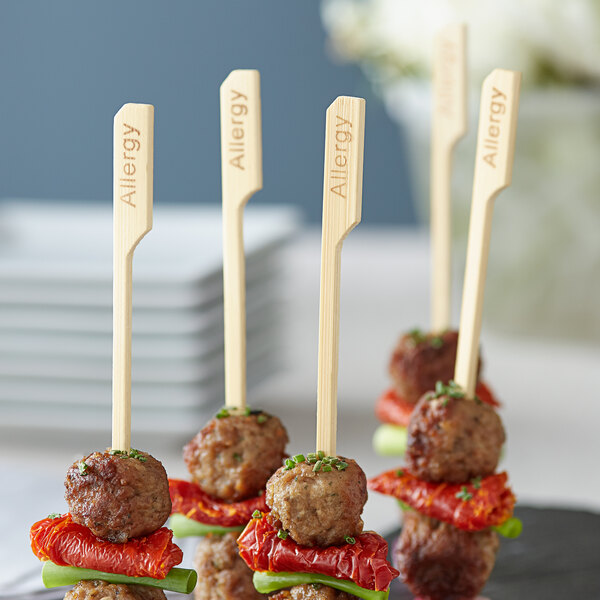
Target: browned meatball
118	496
453	439
439	562
319	508
311	592
101	590
222	574
232	457
422	359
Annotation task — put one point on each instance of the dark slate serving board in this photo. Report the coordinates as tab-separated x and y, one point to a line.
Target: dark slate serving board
557	557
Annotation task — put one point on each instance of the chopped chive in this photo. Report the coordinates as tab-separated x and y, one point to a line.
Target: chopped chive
317	466
54	515
222	413
116	452
439	388
257	514
282	534
321	454
349	539
341	465
476	482
237	457
327	468
400	473
311	457
83	468
437	342
289	464
247	411
261	419
464	494
334	460
299	458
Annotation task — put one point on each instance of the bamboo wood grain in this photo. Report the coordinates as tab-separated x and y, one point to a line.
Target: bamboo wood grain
342	205
241	174
449	124
133	147
494	160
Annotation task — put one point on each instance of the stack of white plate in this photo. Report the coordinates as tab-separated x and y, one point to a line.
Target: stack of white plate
56	313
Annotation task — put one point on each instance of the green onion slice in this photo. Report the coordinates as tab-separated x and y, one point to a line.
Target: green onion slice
267	582
184	527
511	528
390	440
177	580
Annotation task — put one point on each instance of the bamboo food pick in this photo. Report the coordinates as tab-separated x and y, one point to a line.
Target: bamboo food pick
241	173
133	147
493	172
342	204
449	124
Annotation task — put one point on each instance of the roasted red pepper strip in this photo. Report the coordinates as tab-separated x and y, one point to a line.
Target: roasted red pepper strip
364	562
190	500
394	409
485	394
67	543
474	509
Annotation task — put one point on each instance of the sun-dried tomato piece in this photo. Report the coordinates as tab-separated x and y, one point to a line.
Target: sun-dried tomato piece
67	543
364	562
392	408
190	500
471	506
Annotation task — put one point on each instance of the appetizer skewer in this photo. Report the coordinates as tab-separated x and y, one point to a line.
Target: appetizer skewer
233	456
311	544
112	543
421	359
455	502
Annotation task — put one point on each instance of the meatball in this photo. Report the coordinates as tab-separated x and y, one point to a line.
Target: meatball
222	574
118	496
318	508
453	439
311	592
101	590
420	360
439	562
232	457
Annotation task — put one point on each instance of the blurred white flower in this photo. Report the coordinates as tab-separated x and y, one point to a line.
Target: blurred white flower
551	42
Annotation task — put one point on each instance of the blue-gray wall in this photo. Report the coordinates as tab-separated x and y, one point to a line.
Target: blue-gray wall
66	66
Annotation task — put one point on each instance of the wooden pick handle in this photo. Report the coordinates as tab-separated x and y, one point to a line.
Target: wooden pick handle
449	124
132	213
241	172
493	172
342	204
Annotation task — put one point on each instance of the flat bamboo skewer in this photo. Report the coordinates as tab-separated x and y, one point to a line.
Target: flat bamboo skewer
494	160
133	173
449	124
241	173
342	204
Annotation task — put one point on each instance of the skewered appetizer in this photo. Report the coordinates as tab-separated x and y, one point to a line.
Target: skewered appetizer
455	501
230	461
112	541
418	362
311	545
454	504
